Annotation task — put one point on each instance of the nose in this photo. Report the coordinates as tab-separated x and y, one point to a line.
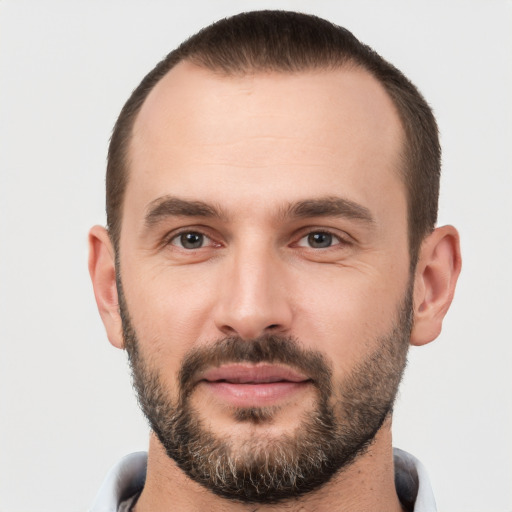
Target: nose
253	296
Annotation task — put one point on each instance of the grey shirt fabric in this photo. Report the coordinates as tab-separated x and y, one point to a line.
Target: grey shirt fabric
127	505
123	484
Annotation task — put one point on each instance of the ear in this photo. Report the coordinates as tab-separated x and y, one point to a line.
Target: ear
437	270
103	275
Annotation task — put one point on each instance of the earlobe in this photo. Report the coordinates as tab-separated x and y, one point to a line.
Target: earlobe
103	275
437	271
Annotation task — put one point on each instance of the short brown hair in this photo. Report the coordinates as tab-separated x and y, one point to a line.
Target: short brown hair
292	42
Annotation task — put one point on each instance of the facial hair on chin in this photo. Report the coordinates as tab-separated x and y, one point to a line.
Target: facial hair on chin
341	427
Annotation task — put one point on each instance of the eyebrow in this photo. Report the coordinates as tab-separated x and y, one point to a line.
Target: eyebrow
169	206
331	206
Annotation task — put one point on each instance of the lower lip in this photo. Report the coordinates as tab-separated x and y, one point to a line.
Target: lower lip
255	395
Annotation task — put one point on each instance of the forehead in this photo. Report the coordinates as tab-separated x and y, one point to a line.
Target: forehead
203	134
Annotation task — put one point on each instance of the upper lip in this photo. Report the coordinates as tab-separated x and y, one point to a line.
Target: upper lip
239	373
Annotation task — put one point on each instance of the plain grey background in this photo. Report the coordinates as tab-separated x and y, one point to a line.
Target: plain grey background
67	412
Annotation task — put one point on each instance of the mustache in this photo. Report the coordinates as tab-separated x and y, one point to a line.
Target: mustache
271	348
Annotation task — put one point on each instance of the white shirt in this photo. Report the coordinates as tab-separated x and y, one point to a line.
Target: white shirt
127	478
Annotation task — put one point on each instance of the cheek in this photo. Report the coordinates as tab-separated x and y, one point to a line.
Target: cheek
346	313
169	310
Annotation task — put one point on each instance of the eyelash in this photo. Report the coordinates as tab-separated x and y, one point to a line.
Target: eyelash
335	239
175	236
339	240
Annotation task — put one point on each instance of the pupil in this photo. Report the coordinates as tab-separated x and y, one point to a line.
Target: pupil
191	240
320	240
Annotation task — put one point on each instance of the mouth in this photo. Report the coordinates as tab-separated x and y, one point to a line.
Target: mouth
246	385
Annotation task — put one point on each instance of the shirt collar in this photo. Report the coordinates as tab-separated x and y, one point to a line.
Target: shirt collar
127	478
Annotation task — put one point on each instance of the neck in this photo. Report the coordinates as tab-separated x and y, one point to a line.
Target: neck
367	484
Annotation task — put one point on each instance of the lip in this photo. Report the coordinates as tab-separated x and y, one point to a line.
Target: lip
245	385
253	374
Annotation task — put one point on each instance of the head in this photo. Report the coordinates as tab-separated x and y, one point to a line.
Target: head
271	251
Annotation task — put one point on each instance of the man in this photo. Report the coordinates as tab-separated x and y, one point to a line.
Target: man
271	253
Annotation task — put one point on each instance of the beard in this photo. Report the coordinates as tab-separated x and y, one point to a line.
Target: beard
261	469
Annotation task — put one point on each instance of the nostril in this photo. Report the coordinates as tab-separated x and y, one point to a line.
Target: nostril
273	326
227	329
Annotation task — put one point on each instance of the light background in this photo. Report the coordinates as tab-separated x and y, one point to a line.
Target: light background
66	407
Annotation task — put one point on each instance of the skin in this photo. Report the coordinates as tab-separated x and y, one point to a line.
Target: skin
251	147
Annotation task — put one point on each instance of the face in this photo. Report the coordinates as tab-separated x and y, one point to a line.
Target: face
263	273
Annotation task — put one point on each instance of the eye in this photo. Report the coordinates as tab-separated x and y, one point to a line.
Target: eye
190	240
319	240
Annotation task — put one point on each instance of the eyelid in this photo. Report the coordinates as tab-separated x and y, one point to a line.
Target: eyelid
342	238
175	234
176	238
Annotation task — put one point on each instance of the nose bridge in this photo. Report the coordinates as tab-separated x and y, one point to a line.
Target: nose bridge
253	300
